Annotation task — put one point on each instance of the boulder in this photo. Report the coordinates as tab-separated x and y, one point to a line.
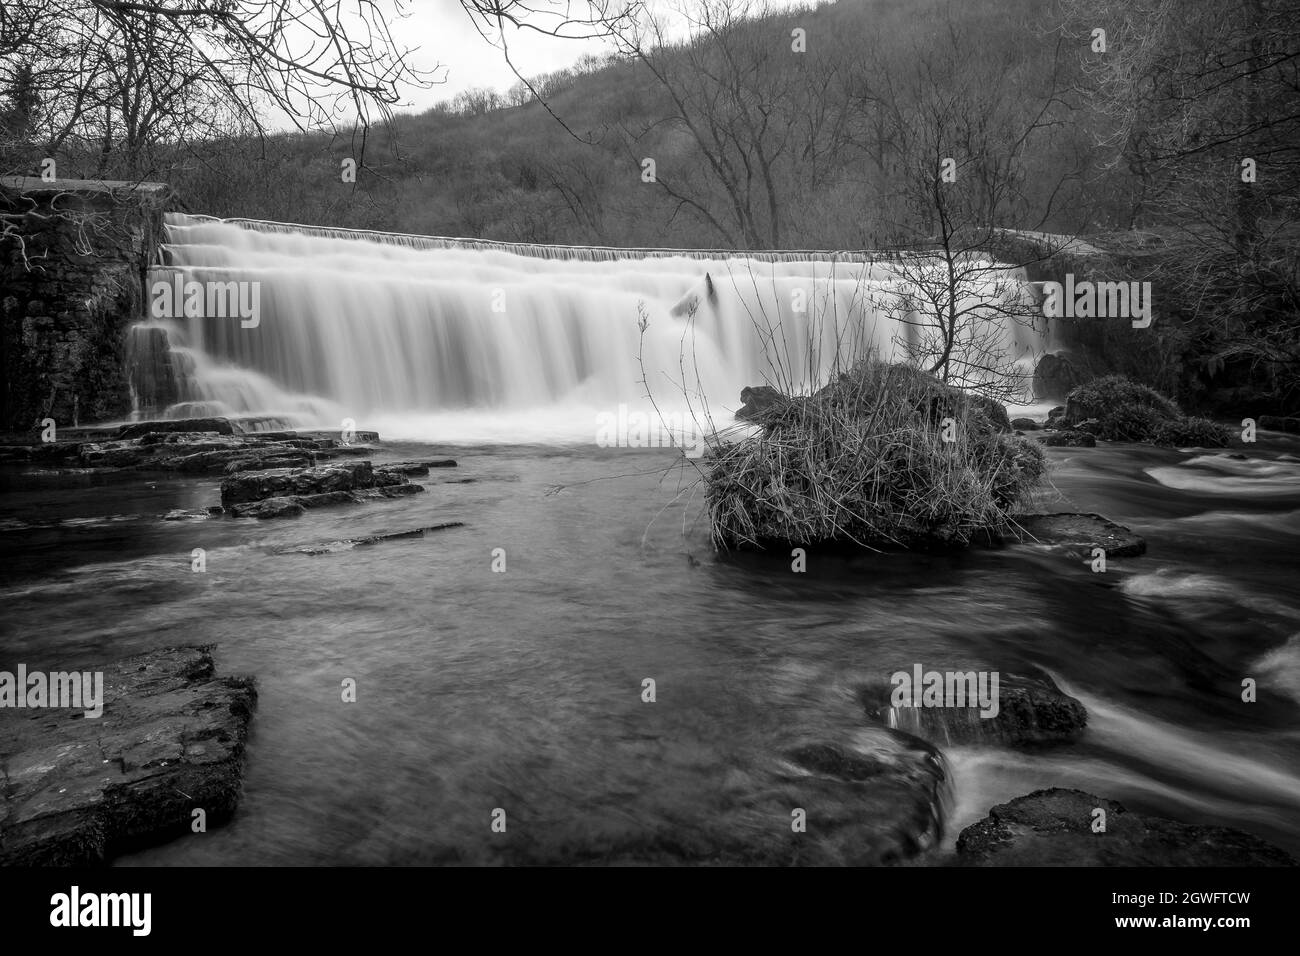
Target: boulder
1054	828
1056	375
80	790
1025	424
1082	532
1067	438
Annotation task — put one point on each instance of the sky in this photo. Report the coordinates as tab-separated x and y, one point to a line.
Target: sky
447	38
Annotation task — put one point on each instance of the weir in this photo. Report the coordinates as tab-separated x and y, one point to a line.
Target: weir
408	333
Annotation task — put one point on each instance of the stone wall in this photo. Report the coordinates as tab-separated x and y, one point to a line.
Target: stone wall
73	265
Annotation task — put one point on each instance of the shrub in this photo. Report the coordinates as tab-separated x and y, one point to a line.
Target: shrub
1093	398
1129	423
1124	410
1200	432
863	460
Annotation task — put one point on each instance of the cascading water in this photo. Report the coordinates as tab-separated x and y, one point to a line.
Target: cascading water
425	337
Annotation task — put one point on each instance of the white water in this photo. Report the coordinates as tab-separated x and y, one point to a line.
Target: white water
459	340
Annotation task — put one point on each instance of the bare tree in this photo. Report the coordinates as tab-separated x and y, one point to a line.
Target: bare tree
766	119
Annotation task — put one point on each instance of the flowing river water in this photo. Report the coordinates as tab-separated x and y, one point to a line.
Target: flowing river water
522	689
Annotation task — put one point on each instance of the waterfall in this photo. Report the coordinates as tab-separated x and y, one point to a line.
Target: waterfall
446	338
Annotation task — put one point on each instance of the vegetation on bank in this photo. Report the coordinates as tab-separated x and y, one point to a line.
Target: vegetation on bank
884	456
1116	409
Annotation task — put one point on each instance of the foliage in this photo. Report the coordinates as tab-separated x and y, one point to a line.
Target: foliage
865	460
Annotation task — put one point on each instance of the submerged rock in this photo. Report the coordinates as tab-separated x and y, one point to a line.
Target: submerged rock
347	544
1082	532
872	797
1031	711
1054	828
80	790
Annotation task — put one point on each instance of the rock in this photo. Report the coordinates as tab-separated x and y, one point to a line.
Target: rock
347	544
221	426
416	467
1056	412
1279	423
1032	711
268	508
81	790
876	795
117	456
1054	828
1082	532
1067	438
277	482
270	461
1025	424
1056	375
756	399
1089	425
180	514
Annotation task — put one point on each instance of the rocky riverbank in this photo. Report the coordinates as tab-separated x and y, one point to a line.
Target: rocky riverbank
165	756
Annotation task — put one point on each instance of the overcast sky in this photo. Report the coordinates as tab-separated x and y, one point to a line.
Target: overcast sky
445	35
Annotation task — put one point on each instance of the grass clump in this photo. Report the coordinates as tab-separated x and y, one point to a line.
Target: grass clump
864	460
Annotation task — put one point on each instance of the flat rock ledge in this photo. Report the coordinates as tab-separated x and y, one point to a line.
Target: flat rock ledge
1054	828
202	446
287	492
79	790
1081	532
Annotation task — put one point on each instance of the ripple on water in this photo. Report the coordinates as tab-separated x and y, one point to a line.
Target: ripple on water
1223	474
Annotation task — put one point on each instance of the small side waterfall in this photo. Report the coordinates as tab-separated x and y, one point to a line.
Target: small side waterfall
412	333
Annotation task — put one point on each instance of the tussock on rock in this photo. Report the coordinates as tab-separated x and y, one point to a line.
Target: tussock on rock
864	460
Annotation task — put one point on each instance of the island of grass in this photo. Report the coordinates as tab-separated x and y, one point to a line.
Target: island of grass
886	456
